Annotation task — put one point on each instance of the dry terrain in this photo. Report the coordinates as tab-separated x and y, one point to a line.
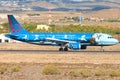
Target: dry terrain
63	18
29	65
18	63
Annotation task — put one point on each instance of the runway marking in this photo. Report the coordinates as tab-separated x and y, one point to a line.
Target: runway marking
55	51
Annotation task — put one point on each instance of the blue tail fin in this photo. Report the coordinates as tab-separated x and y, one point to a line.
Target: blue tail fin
15	26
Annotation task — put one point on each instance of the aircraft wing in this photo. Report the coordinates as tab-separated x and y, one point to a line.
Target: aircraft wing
59	41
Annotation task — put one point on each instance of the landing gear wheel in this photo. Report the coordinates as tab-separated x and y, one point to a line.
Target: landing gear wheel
60	49
66	49
102	49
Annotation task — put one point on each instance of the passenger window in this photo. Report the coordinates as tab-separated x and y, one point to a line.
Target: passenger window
110	37
0	40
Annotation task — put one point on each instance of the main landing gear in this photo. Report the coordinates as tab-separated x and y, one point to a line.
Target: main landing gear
63	49
102	49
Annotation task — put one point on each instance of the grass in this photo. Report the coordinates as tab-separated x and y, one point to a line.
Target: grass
99	73
15	68
82	72
115	74
90	73
74	73
3	69
86	72
51	70
69	28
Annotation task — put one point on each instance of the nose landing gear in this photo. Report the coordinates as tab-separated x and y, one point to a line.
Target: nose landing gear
102	49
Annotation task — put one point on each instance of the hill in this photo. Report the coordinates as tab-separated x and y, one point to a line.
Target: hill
57	5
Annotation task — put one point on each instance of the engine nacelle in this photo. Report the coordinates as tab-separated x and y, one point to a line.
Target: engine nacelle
74	46
83	47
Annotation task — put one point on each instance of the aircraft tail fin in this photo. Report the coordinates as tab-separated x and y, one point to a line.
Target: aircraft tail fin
15	26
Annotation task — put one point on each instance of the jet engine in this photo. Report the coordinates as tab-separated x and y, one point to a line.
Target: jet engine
83	47
74	46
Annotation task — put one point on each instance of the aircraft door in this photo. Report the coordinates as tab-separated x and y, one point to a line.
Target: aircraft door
96	39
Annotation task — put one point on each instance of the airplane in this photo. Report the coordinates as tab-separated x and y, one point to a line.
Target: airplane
66	41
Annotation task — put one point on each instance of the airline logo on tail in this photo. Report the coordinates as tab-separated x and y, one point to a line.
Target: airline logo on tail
18	28
15	26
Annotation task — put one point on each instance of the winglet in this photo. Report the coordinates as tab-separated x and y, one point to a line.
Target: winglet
15	26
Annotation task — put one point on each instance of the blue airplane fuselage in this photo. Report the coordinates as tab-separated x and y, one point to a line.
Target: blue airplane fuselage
65	40
34	37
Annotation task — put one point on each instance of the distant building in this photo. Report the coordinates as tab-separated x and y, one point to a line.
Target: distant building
96	19
3	39
43	27
80	18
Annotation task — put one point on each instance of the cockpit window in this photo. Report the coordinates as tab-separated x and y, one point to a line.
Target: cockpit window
110	37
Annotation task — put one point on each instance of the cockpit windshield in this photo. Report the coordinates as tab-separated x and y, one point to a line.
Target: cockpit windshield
110	37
